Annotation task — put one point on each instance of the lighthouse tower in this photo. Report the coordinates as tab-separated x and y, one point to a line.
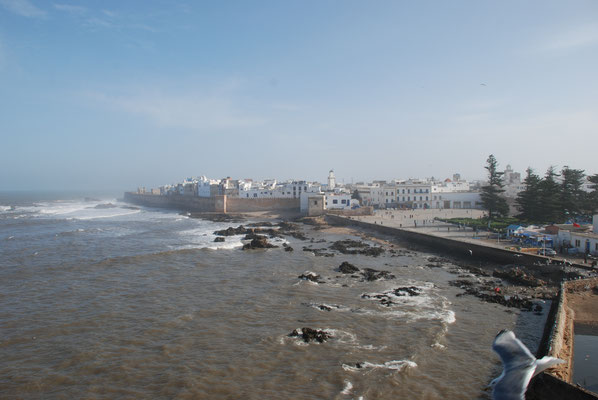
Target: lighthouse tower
331	180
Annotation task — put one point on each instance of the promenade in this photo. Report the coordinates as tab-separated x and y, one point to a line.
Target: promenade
423	222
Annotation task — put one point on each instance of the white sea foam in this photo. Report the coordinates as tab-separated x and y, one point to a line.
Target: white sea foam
427	305
348	387
397	365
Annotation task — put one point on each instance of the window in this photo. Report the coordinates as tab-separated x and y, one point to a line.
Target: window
426	198
577	243
255	195
334	201
403	191
408	190
408	198
596	247
343	201
315	202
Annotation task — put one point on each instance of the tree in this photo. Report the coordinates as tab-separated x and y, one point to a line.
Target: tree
356	195
590	203
550	204
527	200
492	200
571	193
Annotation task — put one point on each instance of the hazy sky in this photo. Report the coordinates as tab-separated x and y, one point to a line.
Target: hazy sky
118	94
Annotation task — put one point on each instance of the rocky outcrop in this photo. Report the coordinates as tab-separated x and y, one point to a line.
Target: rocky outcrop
370	274
311	276
219	239
230	231
287	247
258	242
309	334
356	247
347	268
517	276
385	298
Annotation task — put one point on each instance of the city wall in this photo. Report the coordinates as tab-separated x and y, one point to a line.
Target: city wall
215	204
178	202
240	205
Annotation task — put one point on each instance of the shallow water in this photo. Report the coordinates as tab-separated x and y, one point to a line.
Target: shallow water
121	303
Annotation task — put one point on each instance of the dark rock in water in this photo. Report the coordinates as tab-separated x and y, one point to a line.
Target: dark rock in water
318	252
311	276
258	224
370	274
518	276
407	291
258	242
347	268
219	239
430	265
355	247
105	206
324	307
230	231
288	248
461	283
309	335
385	298
439	260
508	301
538	309
216	217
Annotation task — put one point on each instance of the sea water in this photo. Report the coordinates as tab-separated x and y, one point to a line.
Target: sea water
102	299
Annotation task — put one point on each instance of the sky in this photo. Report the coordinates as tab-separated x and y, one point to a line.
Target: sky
120	94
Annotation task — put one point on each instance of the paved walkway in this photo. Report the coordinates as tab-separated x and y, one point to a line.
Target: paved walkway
422	221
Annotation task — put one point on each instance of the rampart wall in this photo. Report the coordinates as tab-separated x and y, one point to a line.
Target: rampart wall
178	202
216	204
239	205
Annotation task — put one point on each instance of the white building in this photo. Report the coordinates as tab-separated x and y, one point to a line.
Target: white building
414	193
450	200
339	201
204	186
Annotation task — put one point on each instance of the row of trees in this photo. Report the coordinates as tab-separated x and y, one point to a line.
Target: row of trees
545	200
549	199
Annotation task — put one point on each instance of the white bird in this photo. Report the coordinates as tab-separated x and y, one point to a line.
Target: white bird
470	253
519	366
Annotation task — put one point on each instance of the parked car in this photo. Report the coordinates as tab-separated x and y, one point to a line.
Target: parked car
547	252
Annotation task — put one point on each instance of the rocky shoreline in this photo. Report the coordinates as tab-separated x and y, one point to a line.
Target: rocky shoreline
512	286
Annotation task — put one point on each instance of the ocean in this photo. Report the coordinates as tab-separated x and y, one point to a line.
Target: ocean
101	299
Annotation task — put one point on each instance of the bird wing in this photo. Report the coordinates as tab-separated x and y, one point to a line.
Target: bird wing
519	365
512	352
513	384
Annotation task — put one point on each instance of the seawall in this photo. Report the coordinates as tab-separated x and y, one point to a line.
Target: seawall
215	204
445	244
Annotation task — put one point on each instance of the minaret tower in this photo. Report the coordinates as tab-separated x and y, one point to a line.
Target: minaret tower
331	180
